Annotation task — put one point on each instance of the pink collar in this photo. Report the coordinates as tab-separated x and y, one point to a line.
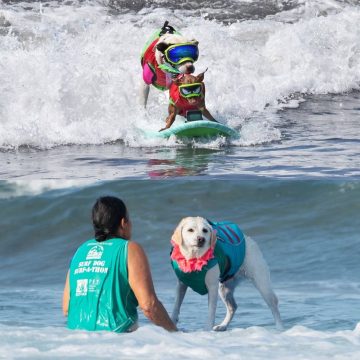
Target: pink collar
193	264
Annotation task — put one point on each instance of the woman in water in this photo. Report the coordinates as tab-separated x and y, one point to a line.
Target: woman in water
109	277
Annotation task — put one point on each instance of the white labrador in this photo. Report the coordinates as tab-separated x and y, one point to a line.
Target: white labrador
194	236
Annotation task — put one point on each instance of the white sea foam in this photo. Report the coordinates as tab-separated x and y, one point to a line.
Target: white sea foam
297	343
15	188
70	74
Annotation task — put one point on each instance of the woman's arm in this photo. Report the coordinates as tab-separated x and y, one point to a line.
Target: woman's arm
141	283
66	296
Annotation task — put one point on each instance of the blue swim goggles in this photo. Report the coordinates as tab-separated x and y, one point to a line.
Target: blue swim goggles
179	53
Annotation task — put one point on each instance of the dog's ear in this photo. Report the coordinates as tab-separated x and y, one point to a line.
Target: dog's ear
177	235
178	80
213	236
200	77
162	46
213	239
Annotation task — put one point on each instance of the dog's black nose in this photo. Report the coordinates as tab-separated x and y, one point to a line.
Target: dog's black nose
190	68
200	241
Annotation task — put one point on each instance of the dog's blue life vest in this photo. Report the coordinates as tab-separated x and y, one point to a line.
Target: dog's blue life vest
229	254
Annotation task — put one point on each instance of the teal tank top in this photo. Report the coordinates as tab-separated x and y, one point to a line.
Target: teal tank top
229	254
100	294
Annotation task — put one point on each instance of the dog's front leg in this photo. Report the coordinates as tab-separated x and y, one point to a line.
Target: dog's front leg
226	291
212	284
207	114
171	118
180	294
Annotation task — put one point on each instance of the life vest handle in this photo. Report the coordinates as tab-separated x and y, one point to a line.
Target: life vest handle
166	29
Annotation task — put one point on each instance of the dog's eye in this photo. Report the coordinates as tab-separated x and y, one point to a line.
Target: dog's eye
205	230
190	230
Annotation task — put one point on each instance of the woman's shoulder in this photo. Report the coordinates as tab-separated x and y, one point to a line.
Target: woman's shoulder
136	253
135	247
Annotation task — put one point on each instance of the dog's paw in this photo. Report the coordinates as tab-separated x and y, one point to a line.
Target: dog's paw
220	328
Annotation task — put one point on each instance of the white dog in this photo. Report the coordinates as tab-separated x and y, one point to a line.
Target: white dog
212	258
166	54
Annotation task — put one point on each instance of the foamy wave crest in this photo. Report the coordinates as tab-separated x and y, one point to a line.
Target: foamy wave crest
70	73
251	343
16	188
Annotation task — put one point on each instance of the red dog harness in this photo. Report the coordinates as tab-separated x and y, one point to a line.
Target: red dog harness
182	104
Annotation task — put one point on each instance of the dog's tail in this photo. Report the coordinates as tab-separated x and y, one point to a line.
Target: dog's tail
167	29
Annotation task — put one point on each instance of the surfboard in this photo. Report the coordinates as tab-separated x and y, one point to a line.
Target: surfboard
196	129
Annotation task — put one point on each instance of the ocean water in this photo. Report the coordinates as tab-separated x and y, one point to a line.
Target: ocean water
308	232
284	74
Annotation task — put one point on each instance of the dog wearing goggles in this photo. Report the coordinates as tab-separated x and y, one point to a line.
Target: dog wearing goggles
212	258
187	92
166	54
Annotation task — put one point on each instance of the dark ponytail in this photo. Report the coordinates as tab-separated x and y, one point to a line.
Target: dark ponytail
107	214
